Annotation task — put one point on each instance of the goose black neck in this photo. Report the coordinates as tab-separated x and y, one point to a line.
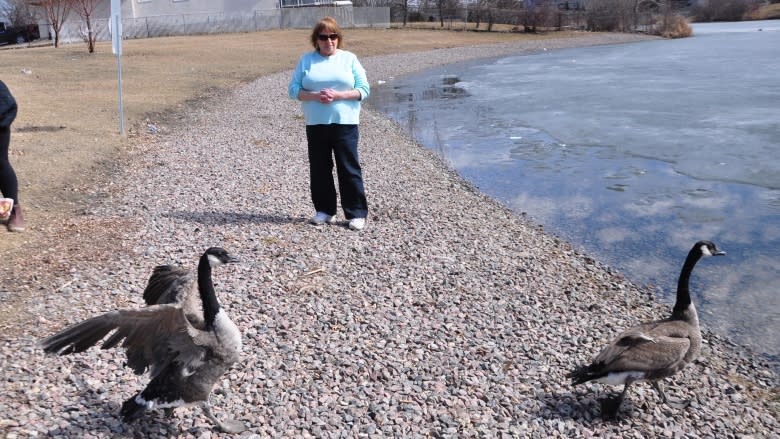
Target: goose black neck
683	294
207	294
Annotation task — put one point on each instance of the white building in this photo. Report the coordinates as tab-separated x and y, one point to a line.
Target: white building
155	18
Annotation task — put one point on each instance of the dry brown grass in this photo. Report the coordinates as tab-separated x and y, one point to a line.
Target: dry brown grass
765	12
458	25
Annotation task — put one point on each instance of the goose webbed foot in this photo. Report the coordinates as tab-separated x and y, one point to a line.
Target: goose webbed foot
674	403
679	404
610	406
660	389
168	412
231	426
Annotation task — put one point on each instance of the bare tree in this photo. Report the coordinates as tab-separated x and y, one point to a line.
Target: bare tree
619	15
506	12
427	6
372	3
478	11
644	11
440	7
20	13
537	14
448	8
85	9
57	12
721	10
453	9
404	6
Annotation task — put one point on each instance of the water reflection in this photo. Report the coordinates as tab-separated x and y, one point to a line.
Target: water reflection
631	179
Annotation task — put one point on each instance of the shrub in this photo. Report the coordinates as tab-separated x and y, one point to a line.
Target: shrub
602	20
720	10
764	12
672	26
610	15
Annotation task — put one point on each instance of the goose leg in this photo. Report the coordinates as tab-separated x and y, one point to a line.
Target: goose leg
678	404
610	406
231	426
660	389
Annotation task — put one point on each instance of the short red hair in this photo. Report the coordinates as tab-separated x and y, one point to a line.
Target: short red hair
328	25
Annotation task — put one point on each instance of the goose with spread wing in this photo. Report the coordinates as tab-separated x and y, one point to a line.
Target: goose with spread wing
654	350
184	339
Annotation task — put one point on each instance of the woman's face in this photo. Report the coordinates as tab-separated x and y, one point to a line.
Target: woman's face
327	42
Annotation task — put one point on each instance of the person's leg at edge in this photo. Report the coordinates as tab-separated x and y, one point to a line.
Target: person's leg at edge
9	185
353	195
323	189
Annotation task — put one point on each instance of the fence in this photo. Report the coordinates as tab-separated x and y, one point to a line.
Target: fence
199	24
566	15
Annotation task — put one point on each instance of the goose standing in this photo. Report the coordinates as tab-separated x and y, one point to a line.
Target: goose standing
654	350
185	350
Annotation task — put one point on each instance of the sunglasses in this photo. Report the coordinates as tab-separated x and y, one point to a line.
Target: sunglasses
332	37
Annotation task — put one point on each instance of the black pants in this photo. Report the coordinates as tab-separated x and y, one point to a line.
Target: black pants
339	141
9	186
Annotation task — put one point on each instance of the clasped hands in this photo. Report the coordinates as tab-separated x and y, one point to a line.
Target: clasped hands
328	95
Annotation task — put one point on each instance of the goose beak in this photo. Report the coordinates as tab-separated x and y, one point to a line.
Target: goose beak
232	260
718	253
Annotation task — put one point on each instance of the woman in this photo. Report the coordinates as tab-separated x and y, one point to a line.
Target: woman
331	83
9	186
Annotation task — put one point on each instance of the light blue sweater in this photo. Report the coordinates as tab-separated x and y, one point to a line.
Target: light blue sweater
341	71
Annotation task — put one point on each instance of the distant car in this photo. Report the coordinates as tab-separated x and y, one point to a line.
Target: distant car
18	35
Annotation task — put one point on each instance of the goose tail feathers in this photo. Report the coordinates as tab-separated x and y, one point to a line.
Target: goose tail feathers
583	374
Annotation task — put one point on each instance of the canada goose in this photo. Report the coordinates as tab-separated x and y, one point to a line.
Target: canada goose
185	351
654	350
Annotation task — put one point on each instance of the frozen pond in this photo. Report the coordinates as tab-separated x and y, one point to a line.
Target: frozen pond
632	153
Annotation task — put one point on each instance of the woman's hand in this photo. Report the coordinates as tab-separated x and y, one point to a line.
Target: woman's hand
328	95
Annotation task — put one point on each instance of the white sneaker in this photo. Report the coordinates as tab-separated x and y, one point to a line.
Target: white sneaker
321	218
357	223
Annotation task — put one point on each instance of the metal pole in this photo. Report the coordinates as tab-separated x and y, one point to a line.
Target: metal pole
121	104
116	47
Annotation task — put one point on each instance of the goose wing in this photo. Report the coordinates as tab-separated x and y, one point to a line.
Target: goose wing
153	336
647	351
168	284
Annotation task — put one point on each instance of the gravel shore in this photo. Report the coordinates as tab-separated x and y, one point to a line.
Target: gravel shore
448	316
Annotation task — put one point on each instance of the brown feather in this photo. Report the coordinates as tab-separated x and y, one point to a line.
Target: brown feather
176	285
